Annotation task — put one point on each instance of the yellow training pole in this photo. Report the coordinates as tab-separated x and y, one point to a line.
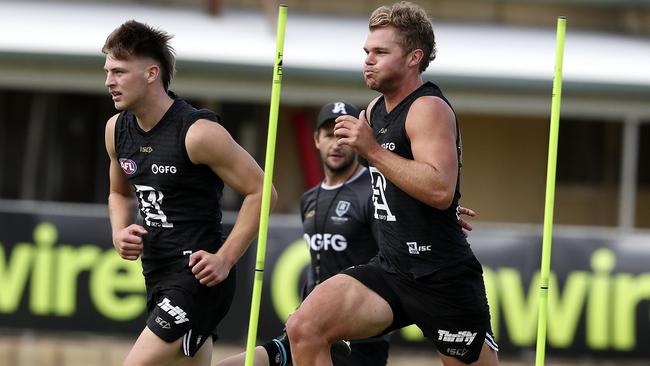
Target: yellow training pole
266	192
550	194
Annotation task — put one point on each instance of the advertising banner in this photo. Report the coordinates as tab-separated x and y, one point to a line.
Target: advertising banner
59	272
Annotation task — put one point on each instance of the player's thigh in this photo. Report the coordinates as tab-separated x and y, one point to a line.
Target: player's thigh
202	357
488	357
149	349
343	308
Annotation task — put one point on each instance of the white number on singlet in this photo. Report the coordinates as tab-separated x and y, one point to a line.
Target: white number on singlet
382	211
150	201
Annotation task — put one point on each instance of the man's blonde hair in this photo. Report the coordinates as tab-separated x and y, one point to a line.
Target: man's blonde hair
413	26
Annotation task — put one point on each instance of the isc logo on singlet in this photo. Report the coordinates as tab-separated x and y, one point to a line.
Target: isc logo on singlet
326	241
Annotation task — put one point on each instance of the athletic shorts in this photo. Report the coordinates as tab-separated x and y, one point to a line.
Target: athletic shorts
364	353
449	305
179	306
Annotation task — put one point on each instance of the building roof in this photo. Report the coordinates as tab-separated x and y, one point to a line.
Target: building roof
323	48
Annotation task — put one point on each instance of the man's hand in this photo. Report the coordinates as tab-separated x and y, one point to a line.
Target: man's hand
356	133
128	241
464	224
210	269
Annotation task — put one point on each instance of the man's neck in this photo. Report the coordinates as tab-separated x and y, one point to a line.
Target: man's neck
395	96
151	110
336	178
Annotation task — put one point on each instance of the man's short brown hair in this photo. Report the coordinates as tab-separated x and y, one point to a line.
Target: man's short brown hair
141	40
413	26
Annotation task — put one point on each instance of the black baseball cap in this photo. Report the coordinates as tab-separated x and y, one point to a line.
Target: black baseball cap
331	111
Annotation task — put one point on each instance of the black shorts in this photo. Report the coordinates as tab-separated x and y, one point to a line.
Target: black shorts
449	305
364	353
179	306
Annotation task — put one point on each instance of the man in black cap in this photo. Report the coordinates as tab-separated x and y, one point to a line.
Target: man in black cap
338	228
336	216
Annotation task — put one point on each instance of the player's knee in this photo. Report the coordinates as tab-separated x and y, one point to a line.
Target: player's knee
301	328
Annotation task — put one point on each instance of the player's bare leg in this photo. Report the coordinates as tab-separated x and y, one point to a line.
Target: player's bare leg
150	350
339	308
202	357
261	359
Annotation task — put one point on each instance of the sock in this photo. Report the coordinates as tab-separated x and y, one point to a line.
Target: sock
279	351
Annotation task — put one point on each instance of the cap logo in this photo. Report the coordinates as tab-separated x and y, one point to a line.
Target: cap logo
339	107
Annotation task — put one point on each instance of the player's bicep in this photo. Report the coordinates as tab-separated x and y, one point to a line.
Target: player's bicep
241	171
431	129
209	143
118	181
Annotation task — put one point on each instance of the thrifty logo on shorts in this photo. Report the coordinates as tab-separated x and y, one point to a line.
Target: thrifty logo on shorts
175	311
463	336
414	248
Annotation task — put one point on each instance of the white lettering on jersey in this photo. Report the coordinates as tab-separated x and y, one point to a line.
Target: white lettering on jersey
414	248
382	211
150	201
327	241
163	169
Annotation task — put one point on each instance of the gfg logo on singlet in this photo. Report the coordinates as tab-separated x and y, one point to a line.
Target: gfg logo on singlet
326	241
382	211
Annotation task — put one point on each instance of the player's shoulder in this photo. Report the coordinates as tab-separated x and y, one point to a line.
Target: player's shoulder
308	198
429	103
429	98
111	123
310	193
427	108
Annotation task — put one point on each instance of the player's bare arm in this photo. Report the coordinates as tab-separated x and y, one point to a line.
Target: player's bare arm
210	144
431	176
122	203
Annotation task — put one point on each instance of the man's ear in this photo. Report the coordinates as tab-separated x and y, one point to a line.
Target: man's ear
316	140
415	57
152	73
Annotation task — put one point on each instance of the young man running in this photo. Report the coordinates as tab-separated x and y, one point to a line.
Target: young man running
172	160
425	272
338	227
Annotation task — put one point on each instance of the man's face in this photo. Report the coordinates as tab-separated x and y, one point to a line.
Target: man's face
126	80
385	61
335	157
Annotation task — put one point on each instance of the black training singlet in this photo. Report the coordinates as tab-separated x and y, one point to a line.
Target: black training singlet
414	238
337	224
179	201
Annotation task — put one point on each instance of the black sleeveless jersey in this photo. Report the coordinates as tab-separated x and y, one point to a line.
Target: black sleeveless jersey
414	238
179	201
337	222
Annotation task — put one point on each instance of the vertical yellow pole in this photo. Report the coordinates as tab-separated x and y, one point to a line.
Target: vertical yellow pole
550	194
266	191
